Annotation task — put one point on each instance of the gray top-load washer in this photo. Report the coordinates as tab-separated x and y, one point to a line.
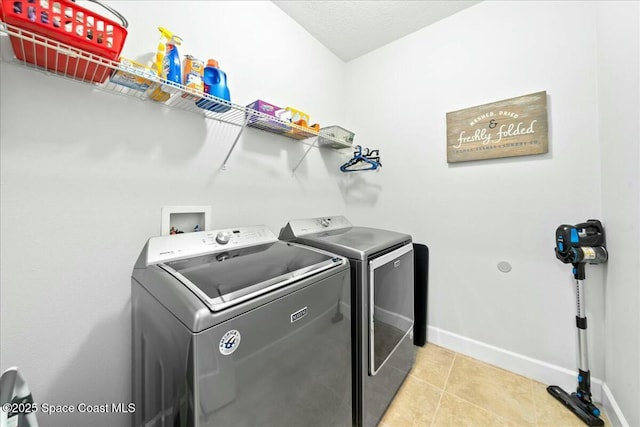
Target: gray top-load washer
235	328
382	295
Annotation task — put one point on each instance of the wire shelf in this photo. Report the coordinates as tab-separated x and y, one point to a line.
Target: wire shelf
52	57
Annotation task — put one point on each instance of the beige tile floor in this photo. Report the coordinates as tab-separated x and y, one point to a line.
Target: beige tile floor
447	389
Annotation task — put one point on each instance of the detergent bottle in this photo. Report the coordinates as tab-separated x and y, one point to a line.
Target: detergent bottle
215	84
171	68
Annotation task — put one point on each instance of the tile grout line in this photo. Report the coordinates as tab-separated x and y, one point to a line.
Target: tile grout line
482	408
446	381
535	404
488	410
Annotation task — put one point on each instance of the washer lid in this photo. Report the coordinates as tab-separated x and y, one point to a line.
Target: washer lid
337	235
226	278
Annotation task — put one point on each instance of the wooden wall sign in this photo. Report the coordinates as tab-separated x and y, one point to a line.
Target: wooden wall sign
507	128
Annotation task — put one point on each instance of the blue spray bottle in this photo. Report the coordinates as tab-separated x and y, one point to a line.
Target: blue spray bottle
171	70
215	84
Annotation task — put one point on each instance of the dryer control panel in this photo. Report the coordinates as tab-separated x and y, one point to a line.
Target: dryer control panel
302	227
178	246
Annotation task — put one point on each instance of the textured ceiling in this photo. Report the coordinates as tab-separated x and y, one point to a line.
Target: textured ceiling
352	28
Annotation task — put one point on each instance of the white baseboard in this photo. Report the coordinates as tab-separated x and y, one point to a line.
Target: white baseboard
612	409
538	370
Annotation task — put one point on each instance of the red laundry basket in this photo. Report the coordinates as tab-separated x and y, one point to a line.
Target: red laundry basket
76	41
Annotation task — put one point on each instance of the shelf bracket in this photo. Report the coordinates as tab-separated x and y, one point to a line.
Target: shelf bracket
233	146
315	140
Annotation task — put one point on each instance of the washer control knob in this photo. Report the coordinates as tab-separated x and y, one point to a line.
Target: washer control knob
324	222
223	237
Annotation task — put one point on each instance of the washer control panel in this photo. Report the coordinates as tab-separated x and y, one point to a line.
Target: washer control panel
178	246
301	227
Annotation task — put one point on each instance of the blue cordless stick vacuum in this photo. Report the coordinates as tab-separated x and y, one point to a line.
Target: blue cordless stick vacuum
577	245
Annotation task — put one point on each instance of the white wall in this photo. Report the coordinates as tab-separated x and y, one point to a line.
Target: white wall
475	214
84	175
619	121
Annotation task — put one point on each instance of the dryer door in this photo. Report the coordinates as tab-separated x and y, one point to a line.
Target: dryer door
390	304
